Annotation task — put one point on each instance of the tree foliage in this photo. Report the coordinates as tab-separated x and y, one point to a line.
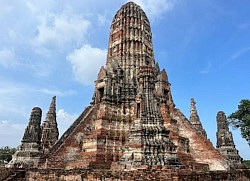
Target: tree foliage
246	163
241	119
6	154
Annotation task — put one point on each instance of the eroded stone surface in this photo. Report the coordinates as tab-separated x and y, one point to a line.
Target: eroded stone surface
49	128
195	120
131	123
29	152
225	142
148	174
37	139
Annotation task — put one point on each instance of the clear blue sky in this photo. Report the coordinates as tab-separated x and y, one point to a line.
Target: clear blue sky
52	47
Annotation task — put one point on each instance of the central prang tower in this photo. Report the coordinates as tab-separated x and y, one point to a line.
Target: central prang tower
132	121
130	48
129	83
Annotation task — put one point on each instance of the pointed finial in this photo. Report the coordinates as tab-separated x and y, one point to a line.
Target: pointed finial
195	120
193	109
49	127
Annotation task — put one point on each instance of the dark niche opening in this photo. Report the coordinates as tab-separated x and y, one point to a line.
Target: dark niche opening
101	93
138	110
124	110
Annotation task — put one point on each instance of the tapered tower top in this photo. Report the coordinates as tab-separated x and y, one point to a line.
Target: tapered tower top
195	120
32	132
49	127
130	40
222	123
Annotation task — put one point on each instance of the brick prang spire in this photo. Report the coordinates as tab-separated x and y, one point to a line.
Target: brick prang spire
195	119
29	152
225	142
49	127
33	130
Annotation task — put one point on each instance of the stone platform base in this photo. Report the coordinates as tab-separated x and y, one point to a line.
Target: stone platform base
143	174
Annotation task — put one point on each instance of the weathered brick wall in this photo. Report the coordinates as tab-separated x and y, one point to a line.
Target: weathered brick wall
147	174
200	148
68	149
4	172
93	141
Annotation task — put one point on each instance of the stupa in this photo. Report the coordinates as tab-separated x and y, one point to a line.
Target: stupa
132	121
132	129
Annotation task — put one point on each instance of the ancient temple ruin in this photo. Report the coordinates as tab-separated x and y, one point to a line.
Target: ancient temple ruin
49	128
29	152
225	143
195	120
131	124
37	139
132	121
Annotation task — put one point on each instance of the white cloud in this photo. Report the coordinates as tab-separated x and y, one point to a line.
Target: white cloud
16	99
240	53
64	120
155	8
7	58
16	102
86	63
11	95
11	133
103	19
6	7
12	34
60	93
60	30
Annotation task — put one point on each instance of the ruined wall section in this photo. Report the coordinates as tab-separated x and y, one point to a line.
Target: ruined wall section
114	126
29	151
181	142
200	148
225	143
194	150
69	146
149	174
94	140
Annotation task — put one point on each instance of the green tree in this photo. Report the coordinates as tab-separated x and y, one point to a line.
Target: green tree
6	154
246	163
241	119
